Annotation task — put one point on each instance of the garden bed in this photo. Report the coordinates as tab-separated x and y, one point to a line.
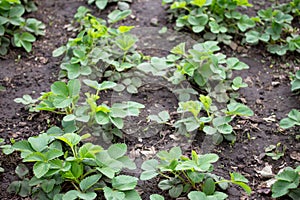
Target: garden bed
268	94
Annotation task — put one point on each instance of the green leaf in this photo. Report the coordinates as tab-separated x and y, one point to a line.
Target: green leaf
40	142
102	118
69	118
198	3
277	49
101	4
110	173
124	182
165	184
21	170
287	175
116	151
235	64
199	20
244	186
127	162
59	51
74	87
118	15
156	197
179	49
239	109
195	195
209	130
16	11
87	196
53	153
287	123
88	150
106	85
295	85
176	191
70	195
209	186
208	158
118	122
89	181
196	177
125	42
40	169
34	157
70	139
113	195
48	185
245	23
23	146
60	88
238	177
178	5
132	194
294	115
150	169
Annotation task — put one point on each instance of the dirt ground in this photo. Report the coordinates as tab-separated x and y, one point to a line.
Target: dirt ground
268	94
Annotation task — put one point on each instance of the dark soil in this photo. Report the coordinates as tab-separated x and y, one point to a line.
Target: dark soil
268	95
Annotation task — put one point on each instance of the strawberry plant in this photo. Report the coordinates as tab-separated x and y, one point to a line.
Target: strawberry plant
66	168
287	183
98	46
275	29
213	123
212	73
16	30
293	119
63	99
218	19
192	177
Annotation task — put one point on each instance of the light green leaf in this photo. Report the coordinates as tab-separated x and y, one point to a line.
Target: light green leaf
40	169
239	109
70	139
59	51
116	151
196	195
60	88
89	181
40	142
112	194
124	182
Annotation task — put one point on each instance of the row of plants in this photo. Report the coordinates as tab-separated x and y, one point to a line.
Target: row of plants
67	167
287	181
222	21
15	30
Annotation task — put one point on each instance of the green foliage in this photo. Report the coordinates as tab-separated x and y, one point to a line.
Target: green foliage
63	99
101	4
161	118
102	51
287	183
180	175
275	29
296	82
211	72
28	101
60	158
275	151
15	29
293	119
218	19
